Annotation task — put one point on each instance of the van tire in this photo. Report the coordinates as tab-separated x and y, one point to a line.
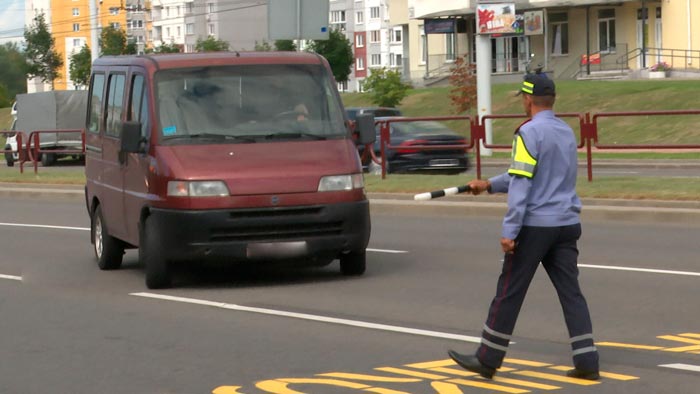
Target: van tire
8	156
353	263
109	251
151	255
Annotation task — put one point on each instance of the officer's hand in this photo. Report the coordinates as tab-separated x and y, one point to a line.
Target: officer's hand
478	186
508	245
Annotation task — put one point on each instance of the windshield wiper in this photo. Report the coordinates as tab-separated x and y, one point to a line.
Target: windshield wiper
294	135
211	136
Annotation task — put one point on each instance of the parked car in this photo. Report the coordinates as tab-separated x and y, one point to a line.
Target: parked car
352	113
405	158
376	111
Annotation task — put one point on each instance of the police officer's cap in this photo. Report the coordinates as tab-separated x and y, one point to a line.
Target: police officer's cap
537	84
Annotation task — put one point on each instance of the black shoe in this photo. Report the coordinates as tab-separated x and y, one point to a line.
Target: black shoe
471	363
581	374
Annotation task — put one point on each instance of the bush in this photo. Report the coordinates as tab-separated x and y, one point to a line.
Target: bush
385	87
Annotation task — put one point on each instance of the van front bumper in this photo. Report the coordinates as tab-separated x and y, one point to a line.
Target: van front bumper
314	234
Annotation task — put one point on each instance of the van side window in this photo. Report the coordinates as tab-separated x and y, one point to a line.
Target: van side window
138	110
96	92
115	104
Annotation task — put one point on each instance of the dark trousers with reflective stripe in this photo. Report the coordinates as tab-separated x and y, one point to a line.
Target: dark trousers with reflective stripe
556	248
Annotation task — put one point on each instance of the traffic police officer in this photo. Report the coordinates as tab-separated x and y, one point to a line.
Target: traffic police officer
541	225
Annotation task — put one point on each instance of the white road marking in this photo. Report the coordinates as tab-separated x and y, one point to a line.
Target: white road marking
11	277
653	271
685	367
318	318
44	226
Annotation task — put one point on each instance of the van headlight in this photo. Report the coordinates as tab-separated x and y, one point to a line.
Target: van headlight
197	189
333	183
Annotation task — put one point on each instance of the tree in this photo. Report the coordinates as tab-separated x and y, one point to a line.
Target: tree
112	41
211	44
385	87
285	45
165	48
337	49
13	76
80	66
131	48
463	81
43	61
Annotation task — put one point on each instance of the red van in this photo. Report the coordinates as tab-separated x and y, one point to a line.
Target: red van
234	157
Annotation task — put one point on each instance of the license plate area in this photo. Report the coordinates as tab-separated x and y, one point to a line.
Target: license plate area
443	163
276	250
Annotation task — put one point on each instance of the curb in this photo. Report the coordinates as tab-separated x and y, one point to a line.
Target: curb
634	211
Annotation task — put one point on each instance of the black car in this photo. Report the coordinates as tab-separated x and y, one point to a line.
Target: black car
377	111
405	158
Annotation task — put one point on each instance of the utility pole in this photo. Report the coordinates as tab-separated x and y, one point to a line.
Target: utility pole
94	28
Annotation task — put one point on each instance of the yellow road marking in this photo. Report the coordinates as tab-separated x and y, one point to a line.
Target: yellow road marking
525	362
279	386
446	388
227	390
683	349
401	371
432	364
608	375
369	378
454	371
690	335
679	339
628	345
489	386
557	378
524	383
380	390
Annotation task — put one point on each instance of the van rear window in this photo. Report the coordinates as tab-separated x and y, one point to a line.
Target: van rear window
258	102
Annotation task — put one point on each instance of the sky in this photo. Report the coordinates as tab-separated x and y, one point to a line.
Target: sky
11	20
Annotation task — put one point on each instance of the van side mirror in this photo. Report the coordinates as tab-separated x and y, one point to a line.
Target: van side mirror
364	125
131	137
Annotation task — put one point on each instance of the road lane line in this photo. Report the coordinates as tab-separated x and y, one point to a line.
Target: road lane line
684	367
318	318
653	271
11	277
629	345
45	226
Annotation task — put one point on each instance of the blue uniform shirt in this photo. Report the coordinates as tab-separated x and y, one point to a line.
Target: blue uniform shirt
541	182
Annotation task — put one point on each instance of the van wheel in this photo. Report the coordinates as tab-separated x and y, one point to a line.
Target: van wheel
48	159
353	263
109	251
151	255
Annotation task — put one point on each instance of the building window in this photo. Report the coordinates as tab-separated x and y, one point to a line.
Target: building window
167	33
210	7
376	60
139	24
189	48
396	35
559	26
77	42
189	8
337	16
399	60
116	25
606	30
167	11
76	11
343	86
178	11
211	29
139	39
359	41
114	10
76	26
374	12
359	17
360	63
190	28
375	36
178	32
450	47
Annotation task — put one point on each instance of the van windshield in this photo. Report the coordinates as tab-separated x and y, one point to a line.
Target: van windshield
248	103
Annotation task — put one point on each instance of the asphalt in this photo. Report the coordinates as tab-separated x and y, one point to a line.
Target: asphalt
643	211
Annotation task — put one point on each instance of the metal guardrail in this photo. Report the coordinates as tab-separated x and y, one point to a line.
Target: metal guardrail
34	145
588	131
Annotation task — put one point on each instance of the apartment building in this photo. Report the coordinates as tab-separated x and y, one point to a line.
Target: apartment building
567	38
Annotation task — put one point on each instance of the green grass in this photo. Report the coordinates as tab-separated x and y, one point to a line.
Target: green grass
581	97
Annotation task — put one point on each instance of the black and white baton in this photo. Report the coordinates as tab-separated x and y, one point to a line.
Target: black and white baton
450	191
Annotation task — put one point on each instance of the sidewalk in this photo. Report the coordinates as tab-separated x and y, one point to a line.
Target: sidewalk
654	211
